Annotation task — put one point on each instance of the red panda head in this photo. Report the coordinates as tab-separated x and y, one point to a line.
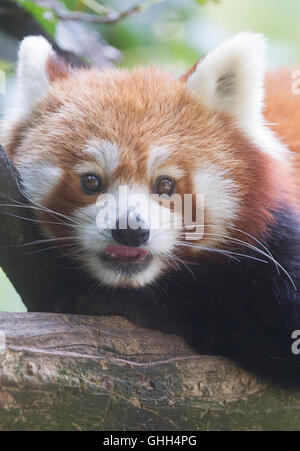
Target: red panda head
97	148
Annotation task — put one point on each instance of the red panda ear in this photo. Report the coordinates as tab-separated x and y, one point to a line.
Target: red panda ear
38	66
57	67
184	77
230	78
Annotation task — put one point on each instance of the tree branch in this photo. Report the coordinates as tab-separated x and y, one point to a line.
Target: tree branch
18	23
109	17
103	373
37	277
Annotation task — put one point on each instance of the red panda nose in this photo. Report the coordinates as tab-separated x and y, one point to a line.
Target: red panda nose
131	237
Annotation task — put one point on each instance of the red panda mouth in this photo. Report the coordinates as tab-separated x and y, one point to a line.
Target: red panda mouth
126	253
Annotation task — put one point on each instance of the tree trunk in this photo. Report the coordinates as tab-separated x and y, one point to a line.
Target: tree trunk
68	372
41	278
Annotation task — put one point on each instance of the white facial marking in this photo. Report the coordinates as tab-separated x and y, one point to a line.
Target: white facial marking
221	197
39	180
94	240
104	153
89	167
157	157
174	172
157	164
111	278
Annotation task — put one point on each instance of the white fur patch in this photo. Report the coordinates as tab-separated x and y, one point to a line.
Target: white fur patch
172	171
157	157
221	199
157	164
94	240
32	80
39	180
110	278
231	78
32	77
105	156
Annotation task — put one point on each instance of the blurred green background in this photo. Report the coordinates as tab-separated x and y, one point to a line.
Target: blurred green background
173	34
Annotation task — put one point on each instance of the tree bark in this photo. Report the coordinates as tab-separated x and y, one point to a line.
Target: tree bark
67	372
40	278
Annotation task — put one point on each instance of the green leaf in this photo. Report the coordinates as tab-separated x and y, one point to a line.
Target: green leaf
202	2
8	68
72	4
42	15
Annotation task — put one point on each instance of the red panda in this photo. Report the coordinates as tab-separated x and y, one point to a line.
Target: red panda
224	131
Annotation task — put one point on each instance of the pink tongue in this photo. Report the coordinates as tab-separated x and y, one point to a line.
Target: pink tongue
126	252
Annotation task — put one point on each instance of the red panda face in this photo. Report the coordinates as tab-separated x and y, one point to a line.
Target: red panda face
98	149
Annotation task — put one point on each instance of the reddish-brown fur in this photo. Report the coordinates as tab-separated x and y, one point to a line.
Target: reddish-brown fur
57	68
147	107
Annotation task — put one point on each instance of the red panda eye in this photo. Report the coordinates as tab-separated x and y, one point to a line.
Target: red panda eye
91	184
164	185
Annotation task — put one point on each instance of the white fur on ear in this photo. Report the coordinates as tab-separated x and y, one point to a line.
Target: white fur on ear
32	76
31	84
231	79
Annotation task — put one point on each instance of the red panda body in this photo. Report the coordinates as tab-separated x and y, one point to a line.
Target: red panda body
225	280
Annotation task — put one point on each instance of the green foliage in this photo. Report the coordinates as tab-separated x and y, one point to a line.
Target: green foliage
202	2
78	5
48	19
9	300
7	67
73	4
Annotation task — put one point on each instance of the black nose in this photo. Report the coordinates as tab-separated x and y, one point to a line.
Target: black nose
131	237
